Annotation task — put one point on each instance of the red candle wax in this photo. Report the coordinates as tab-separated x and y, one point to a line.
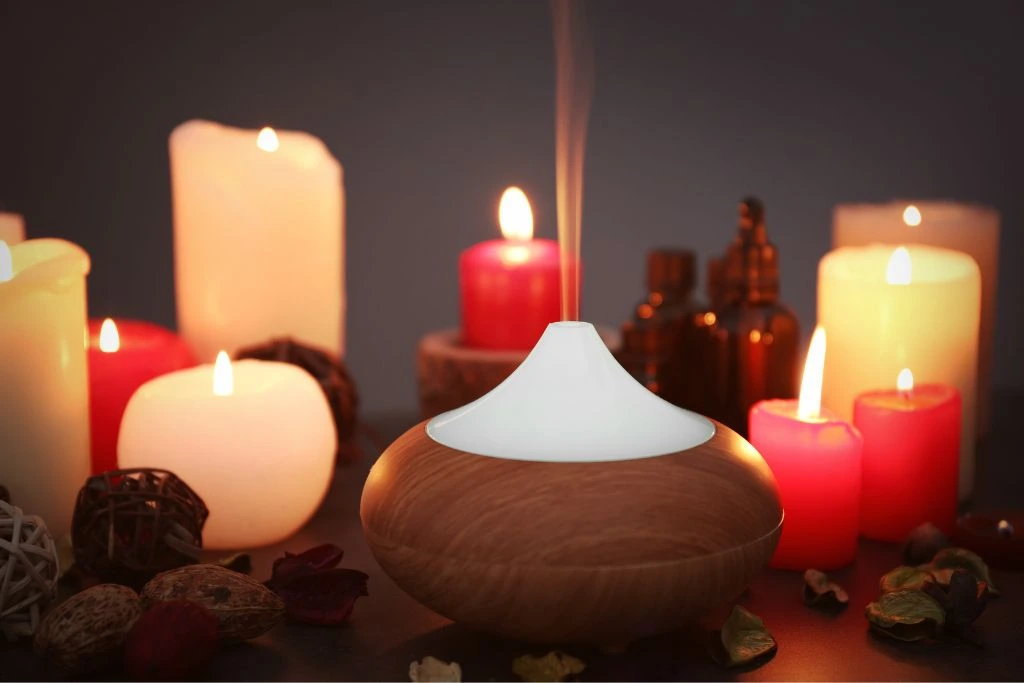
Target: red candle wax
817	465
911	459
136	352
510	288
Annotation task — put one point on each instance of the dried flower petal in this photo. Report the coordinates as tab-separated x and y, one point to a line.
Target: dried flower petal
554	666
963	600
325	597
906	615
326	556
744	638
961	558
819	591
431	670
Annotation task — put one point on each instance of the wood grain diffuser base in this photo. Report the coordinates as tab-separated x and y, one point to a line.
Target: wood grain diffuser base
570	504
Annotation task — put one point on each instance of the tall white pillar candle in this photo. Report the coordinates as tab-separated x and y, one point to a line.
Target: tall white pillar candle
970	228
258	238
44	387
887	308
12	228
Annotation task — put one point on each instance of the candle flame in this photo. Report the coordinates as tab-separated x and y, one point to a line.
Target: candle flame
905	381
223	377
899	270
6	266
912	216
809	405
110	340
267	140
514	215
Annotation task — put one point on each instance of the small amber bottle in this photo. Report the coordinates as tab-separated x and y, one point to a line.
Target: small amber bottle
748	344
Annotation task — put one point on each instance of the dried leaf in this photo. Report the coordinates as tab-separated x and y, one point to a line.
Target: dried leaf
239	562
431	670
554	666
963	600
744	638
819	591
906	615
325	598
961	558
326	556
906	578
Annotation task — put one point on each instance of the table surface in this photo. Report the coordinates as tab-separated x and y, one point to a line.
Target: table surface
388	630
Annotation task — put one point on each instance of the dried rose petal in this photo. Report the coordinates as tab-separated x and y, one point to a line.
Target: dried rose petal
326	556
325	597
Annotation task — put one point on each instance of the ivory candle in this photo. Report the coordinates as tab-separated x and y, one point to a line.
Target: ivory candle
12	228
886	309
44	404
255	439
969	228
258	238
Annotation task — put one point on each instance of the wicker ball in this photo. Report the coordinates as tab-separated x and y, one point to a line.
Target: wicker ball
29	568
130	525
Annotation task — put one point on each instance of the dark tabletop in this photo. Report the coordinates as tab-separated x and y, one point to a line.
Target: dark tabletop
388	630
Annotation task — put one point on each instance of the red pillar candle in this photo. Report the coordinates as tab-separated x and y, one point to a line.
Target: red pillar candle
123	355
911	458
510	288
816	459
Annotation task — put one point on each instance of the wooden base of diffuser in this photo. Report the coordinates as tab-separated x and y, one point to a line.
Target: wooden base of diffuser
450	375
598	552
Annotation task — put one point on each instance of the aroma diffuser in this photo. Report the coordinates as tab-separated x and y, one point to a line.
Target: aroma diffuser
570	504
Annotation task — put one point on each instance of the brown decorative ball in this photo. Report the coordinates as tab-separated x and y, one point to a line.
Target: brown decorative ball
130	525
333	377
29	569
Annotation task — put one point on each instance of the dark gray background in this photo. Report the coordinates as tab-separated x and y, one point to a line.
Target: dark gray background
434	107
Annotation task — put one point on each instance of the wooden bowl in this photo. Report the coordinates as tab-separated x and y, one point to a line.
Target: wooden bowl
598	552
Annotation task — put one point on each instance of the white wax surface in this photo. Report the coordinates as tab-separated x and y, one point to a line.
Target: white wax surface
258	239
570	401
44	389
876	329
261	458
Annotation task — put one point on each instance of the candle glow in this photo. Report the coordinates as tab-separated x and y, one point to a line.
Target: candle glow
223	377
6	267
267	140
809	406
110	340
905	381
912	216
899	270
515	216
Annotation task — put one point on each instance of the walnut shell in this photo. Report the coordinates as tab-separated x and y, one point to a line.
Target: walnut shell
244	607
85	633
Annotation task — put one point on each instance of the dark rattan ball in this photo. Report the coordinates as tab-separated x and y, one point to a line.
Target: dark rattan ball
334	379
130	525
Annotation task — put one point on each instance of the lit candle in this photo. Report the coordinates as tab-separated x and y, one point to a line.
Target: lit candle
123	355
258	238
815	456
886	309
969	228
12	228
255	439
44	401
510	287
911	461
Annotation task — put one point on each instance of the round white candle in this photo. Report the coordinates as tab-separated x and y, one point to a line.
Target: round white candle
258	238
888	308
255	439
12	228
44	401
969	228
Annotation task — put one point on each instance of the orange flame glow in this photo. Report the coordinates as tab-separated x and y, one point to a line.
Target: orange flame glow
905	381
809	405
223	376
267	140
514	215
110	340
899	270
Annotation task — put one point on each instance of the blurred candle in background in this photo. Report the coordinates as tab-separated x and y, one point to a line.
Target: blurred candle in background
258	238
123	355
911	470
510	288
44	401
12	228
968	228
816	458
888	308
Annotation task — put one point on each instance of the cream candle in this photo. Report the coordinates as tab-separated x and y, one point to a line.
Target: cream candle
969	228
258	238
12	228
255	439
886	309
44	404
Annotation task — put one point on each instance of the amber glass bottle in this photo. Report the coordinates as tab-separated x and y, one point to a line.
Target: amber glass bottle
747	345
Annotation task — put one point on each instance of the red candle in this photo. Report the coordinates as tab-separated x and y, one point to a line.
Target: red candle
510	288
815	457
911	460
123	356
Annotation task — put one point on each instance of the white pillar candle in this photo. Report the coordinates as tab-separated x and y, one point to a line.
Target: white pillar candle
44	387
258	238
255	439
12	228
969	228
887	308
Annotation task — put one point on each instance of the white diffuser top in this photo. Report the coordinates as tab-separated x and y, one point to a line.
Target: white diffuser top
570	401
